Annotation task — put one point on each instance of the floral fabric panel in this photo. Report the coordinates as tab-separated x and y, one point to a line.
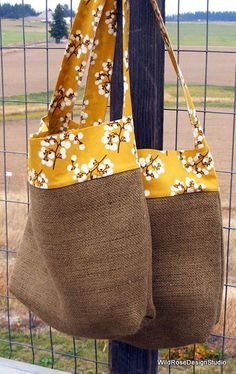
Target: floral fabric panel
171	173
79	155
65	152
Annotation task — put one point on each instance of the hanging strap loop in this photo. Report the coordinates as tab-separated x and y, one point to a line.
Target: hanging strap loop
96	100
199	138
82	41
98	115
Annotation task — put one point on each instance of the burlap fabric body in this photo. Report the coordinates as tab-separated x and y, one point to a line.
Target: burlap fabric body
187	270
83	265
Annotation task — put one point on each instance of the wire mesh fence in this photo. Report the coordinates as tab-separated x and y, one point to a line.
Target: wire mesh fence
28	69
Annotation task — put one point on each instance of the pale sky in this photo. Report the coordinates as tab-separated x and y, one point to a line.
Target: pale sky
171	5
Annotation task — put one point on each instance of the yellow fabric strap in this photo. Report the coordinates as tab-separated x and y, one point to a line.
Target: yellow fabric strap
76	57
170	50
127	104
95	104
80	44
110	49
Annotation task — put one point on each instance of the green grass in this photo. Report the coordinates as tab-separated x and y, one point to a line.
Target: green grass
63	350
217	96
13	37
12	32
36	105
220	97
194	33
191	33
63	353
40	97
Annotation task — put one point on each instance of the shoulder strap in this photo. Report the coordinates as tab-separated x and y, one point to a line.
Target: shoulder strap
98	86
90	20
78	49
96	112
97	94
199	138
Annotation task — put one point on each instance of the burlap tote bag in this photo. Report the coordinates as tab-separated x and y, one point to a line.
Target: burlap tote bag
83	264
185	212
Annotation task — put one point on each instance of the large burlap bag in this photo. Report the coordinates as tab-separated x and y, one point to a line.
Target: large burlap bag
185	211
84	263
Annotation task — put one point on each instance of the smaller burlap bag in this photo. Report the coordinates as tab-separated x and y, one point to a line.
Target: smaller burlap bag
185	212
84	263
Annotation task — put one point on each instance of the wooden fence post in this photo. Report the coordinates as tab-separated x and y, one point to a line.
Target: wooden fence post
147	84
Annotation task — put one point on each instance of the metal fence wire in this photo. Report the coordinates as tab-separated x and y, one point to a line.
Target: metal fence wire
27	72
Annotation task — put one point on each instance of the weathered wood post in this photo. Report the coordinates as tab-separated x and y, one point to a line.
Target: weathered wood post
147	83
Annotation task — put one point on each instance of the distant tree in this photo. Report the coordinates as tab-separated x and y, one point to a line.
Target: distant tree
17	11
67	11
58	25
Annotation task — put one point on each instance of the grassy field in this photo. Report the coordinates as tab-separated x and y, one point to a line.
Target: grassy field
217	97
191	33
63	347
194	33
12	32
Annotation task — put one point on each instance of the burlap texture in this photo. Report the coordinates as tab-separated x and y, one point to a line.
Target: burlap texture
84	262
187	270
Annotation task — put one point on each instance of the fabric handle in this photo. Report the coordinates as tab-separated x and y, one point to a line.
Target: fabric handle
199	137
170	50
77	54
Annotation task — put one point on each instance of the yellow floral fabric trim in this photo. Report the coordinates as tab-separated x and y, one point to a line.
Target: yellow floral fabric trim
79	155
171	173
65	152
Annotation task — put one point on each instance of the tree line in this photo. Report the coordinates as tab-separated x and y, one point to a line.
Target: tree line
212	16
16	11
25	10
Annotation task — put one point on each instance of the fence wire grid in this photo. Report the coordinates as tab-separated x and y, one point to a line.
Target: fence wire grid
22	335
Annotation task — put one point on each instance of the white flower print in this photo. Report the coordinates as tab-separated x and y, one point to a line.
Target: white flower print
117	133
103	78
197	132
199	164
94	55
97	16
83	114
189	186
62	98
111	20
126	60
198	137
65	122
54	148
77	139
123	20
38	179
93	58
152	167
78	44
147	193
80	69
98	122
126	85
93	170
